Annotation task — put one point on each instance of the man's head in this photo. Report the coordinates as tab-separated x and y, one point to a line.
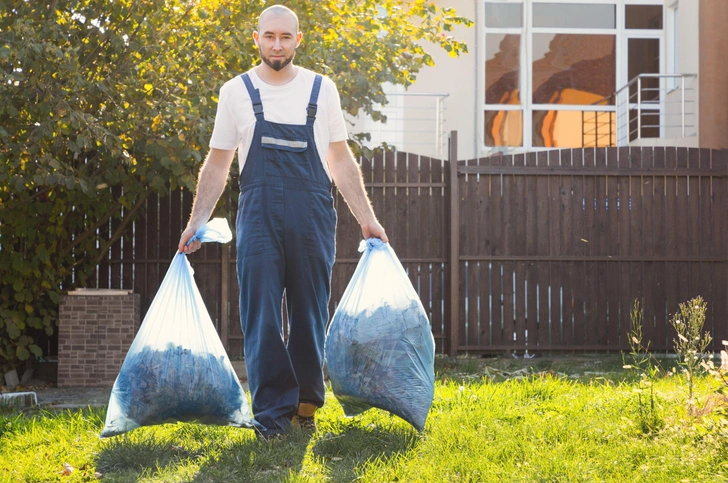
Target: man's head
277	37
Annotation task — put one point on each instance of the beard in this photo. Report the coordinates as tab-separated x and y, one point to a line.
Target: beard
276	65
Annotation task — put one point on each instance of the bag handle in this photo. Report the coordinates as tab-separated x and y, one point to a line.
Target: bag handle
216	230
371	244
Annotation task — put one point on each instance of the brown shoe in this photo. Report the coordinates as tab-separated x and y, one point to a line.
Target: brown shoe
305	418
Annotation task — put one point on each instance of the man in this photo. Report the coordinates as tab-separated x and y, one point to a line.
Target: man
287	125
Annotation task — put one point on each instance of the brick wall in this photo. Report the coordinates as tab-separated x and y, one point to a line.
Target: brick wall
94	335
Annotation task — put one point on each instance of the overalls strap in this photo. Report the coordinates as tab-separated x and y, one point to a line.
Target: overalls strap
254	96
312	102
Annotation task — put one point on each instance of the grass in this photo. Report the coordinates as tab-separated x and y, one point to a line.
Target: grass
520	423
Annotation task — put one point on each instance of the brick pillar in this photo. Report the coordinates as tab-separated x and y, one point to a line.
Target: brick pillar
95	330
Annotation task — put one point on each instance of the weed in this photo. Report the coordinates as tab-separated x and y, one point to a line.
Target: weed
691	343
647	368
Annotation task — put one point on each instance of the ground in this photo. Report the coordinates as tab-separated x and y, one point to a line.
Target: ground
576	366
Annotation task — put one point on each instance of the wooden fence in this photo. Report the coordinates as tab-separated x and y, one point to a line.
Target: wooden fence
552	248
548	249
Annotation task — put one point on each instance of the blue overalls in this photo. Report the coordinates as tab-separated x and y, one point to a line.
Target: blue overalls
286	228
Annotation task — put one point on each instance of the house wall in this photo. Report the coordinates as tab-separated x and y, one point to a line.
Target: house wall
687	63
459	78
455	77
713	72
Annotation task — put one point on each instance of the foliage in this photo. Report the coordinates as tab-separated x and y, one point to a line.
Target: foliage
691	343
648	368
107	102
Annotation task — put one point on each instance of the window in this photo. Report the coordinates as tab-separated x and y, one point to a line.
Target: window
502	68
646	17
503	15
573	69
574	15
504	128
551	68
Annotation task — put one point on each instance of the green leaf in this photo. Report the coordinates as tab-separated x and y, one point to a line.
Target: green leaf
12	329
22	353
36	350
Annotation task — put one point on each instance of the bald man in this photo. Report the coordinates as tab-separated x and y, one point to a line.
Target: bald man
287	126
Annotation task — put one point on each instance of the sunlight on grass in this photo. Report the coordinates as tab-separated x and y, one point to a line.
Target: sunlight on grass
539	428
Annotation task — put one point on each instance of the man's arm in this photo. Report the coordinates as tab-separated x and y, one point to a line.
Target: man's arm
210	185
347	175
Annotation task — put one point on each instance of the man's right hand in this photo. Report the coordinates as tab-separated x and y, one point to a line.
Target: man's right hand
184	238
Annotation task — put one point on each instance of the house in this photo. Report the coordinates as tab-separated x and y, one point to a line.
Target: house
546	74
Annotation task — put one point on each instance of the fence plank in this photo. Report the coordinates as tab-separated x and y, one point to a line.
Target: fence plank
719	205
543	249
531	281
434	222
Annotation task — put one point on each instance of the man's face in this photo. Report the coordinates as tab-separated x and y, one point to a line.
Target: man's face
277	40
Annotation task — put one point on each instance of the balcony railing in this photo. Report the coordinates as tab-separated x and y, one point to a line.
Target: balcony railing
415	123
649	106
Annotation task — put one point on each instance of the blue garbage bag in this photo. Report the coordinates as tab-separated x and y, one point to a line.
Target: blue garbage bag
379	347
176	368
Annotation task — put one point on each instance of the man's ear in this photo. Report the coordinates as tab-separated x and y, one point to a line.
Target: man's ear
299	37
255	37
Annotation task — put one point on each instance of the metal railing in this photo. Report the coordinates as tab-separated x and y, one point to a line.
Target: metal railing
655	106
598	128
417	127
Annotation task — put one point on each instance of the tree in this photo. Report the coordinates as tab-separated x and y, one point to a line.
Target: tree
107	102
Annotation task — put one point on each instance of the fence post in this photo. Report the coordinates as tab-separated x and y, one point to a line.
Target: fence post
454	246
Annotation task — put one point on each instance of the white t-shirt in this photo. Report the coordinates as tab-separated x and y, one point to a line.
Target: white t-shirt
286	104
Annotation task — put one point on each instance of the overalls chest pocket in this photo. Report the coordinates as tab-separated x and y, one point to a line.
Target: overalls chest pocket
286	156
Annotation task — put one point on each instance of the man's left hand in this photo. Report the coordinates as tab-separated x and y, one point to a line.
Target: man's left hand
374	230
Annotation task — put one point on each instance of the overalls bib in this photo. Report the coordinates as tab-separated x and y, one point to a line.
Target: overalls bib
286	227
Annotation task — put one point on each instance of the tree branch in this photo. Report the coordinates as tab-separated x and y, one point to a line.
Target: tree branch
128	218
104	219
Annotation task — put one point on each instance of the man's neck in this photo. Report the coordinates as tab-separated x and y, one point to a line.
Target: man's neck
274	77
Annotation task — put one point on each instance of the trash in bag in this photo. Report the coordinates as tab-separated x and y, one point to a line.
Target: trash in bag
177	368
379	347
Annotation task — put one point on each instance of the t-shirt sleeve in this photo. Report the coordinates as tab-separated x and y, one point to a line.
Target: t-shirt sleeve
337	126
225	133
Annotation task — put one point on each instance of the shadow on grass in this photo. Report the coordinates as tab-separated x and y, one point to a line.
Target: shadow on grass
344	453
208	454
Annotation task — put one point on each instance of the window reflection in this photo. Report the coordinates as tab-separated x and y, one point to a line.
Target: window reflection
503	15
574	15
573	129
504	128
644	58
502	65
643	17
573	68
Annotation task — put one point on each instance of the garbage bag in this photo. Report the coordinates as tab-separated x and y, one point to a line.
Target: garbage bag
177	368
379	347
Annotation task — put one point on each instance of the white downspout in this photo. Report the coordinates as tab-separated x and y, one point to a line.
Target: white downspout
477	109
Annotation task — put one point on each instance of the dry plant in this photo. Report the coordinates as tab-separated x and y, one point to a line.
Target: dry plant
691	342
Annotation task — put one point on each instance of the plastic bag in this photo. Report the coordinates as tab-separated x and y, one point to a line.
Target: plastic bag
177	368
379	347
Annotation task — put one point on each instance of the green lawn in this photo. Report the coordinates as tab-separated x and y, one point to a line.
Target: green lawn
512	426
